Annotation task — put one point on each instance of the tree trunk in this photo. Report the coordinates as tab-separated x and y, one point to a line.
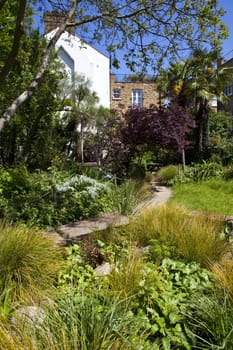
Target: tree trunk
183	158
81	144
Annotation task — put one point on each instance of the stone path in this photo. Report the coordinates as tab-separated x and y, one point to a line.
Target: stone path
161	196
76	231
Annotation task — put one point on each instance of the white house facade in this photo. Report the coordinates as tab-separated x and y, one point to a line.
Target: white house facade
80	58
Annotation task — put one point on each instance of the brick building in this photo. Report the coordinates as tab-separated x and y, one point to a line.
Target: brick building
228	90
125	93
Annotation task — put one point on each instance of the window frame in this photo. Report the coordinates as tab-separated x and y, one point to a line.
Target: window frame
137	98
114	94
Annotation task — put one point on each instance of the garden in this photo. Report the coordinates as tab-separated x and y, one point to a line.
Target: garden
164	280
169	284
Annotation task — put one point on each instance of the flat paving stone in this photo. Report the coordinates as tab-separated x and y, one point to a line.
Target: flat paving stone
74	231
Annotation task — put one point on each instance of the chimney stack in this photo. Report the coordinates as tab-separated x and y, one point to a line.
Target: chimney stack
53	19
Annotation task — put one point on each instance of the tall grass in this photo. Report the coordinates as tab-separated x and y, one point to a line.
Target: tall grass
128	195
29	262
211	322
195	237
124	280
88	323
223	274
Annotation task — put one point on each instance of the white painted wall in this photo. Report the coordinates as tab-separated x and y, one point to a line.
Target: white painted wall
81	58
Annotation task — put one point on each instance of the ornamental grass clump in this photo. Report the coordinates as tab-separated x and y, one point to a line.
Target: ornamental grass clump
210	322
195	237
124	279
223	274
29	262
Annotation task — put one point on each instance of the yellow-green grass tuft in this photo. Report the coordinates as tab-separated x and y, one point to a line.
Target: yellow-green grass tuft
29	262
223	274
196	237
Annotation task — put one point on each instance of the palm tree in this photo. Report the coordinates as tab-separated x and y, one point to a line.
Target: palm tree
82	112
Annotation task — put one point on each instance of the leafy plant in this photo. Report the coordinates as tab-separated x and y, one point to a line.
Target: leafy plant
199	172
162	297
76	273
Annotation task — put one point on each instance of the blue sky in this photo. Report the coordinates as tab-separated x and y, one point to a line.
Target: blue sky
228	20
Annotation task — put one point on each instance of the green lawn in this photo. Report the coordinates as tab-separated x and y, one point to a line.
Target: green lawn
213	196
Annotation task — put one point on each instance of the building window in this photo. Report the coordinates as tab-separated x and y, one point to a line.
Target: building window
229	90
137	98
117	93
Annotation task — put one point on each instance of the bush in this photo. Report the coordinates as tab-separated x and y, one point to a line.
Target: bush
228	173
50	199
167	173
198	172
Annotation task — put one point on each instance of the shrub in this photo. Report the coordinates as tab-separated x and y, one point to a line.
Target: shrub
162	297
167	173
228	173
198	172
29	262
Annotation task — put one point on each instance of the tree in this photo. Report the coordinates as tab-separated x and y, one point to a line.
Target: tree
82	114
142	129
34	135
193	84
136	26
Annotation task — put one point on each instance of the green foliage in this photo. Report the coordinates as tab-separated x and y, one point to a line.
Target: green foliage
77	273
90	322
35	134
155	297
210	322
220	145
125	278
50	198
199	172
29	263
126	196
162	297
228	172
168	173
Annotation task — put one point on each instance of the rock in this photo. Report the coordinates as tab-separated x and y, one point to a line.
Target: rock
74	232
104	269
29	316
